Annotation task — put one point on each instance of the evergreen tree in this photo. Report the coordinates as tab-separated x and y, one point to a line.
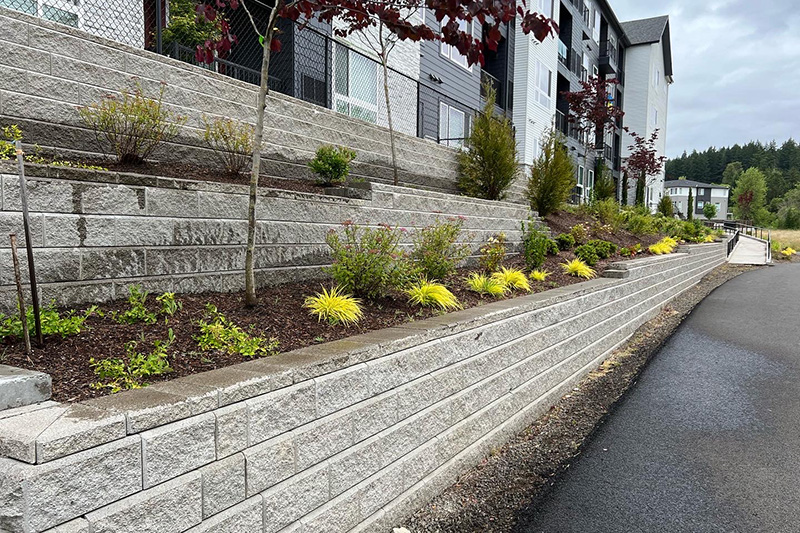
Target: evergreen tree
690	209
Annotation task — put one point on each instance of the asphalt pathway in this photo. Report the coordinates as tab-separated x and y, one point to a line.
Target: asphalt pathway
708	440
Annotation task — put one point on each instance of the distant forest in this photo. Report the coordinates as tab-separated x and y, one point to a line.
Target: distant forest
779	168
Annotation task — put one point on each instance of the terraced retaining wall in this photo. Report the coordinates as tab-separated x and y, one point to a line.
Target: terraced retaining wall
347	436
49	70
96	233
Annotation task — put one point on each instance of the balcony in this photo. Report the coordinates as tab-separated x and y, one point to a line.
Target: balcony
563	53
489	80
566	127
609	58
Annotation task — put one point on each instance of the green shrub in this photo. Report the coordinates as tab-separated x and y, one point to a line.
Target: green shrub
11	134
607	211
604	186
367	261
486	285
219	333
332	164
536	245
587	254
565	241
641	224
52	322
436	252
132	124
552	176
709	211
493	253
231	141
604	249
580	233
489	167
665	206
169	304
186	28
138	312
129	373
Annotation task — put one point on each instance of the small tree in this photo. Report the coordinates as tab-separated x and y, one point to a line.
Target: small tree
643	162
489	167
732	173
552	176
625	187
604	187
750	196
709	211
690	210
355	16
665	206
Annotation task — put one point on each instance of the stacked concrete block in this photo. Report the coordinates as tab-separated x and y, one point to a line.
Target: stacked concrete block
96	233
349	436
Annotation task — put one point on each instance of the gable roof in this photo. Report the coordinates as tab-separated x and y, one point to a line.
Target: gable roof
690	183
649	31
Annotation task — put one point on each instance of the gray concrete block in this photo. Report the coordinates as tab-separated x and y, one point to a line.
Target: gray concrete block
177	448
112	263
381	489
172	203
79	525
170	261
341	389
224	484
337	516
294	498
18	434
280	411
72	231
243	518
20	387
355	465
243	381
373	416
269	463
78	428
172	507
323	439
231	429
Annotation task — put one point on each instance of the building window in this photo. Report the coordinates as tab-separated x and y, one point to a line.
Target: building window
453	126
45	11
656	76
655	116
451	52
544	84
597	24
700	205
355	85
700	191
580	176
590	181
546	8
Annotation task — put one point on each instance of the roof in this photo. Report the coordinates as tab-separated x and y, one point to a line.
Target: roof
649	31
690	183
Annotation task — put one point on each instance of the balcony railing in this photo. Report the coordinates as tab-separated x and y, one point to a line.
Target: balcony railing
609	49
489	80
566	127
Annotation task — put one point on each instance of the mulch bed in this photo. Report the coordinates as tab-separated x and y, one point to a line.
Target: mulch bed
494	496
563	222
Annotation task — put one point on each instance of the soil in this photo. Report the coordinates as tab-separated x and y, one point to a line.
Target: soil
280	314
564	221
493	496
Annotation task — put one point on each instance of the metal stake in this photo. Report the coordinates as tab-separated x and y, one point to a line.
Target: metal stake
23	191
23	316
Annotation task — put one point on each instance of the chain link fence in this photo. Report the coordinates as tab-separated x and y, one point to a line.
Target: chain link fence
311	65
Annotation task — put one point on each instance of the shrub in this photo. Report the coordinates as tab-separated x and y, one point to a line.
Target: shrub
436	252
536	245
332	164
709	211
552	176
138	311
604	186
232	142
539	275
788	252
493	253
483	284
490	165
607	211
428	294
588	254
641	224
367	261
665	246
129	373
578	269
604	249
52	322
565	241
665	206
186	28
631	251
219	333
580	233
512	278
133	124
11	134
789	218
335	307
169	304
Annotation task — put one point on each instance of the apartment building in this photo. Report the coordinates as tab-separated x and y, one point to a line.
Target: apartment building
702	194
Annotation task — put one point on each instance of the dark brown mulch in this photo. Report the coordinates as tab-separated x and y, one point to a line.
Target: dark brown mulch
563	222
279	314
493	496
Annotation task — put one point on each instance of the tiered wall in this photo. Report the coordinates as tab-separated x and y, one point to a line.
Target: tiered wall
347	436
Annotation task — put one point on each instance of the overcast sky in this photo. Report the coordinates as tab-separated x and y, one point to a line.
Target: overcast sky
737	69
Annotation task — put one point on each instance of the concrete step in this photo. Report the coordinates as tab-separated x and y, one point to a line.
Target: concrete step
20	387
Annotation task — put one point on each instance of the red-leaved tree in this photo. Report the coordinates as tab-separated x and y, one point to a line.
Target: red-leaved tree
354	16
643	162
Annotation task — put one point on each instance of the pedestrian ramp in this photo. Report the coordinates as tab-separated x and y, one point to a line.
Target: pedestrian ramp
750	251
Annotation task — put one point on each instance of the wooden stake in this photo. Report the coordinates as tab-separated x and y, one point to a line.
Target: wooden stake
20	296
26	223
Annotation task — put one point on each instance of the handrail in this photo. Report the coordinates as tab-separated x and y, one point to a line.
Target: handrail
738	229
733	242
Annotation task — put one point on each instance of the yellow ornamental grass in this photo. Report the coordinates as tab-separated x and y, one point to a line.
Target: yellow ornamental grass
335	307
483	284
578	269
710	238
665	246
539	275
513	279
430	294
788	252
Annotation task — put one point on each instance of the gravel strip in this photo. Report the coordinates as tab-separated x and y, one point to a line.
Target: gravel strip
492	496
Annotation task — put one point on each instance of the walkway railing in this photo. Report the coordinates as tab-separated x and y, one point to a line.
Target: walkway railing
737	229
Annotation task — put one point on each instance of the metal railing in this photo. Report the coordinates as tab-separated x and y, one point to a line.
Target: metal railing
738	229
732	242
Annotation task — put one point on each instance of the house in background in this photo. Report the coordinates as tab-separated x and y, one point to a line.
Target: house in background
702	193
648	75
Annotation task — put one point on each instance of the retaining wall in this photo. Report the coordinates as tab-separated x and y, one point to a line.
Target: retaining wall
95	233
49	70
347	436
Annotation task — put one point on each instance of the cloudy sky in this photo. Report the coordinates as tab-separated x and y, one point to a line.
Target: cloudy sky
737	69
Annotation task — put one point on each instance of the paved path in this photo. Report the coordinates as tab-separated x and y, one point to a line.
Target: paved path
749	251
709	439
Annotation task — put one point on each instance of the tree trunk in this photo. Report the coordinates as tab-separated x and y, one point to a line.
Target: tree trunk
640	191
249	271
385	65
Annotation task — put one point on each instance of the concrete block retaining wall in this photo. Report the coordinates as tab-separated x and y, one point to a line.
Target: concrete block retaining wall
348	436
49	70
96	233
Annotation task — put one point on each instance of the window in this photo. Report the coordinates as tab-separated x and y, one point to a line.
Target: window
59	15
597	24
587	66
544	84
355	85
453	126
580	176
656	76
451	52
590	180
546	8
45	11
655	116
700	205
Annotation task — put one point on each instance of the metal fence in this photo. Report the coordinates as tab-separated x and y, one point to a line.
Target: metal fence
311	65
